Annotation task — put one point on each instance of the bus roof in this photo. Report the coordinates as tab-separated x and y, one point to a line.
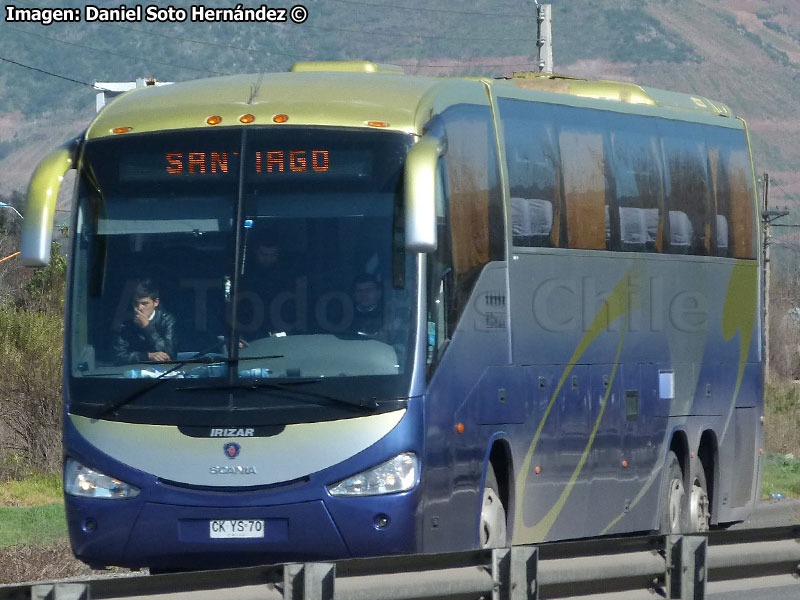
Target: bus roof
360	94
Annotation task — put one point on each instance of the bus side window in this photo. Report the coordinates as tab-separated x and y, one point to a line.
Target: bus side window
533	173
638	183
474	198
732	192
688	189
586	186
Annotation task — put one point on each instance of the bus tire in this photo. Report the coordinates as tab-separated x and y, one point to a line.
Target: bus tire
673	497
699	505
493	514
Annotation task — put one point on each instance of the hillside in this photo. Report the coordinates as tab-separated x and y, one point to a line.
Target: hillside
743	52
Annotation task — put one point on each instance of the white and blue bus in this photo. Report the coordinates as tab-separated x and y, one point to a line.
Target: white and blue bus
342	312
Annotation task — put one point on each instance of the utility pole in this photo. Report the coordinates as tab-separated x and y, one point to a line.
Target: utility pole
544	36
766	218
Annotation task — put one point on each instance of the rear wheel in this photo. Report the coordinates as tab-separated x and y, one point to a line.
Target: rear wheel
673	497
493	514
699	505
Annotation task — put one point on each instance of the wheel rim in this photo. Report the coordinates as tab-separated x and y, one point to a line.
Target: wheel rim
493	520
676	494
699	507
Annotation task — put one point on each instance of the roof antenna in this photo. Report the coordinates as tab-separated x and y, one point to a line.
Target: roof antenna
255	88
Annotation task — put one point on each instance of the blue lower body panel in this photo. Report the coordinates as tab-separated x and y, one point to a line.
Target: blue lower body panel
167	536
136	533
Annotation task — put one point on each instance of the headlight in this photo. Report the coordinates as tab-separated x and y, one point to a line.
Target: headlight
83	481
398	474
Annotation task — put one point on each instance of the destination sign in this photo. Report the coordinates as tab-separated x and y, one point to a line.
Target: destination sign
266	161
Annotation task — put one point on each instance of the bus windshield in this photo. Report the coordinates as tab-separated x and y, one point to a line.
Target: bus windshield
214	260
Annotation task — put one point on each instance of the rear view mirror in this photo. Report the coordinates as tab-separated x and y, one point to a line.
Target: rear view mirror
37	227
420	194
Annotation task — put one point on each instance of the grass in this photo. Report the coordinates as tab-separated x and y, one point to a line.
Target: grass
38	525
32	511
781	475
33	490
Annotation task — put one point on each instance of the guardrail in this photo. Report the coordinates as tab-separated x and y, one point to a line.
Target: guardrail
673	566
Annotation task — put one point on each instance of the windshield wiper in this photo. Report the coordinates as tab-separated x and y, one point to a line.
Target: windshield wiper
286	386
210	360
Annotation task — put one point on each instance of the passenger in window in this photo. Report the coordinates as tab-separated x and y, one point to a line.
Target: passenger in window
149	333
367	305
270	292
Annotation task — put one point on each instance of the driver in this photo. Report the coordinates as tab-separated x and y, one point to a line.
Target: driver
149	334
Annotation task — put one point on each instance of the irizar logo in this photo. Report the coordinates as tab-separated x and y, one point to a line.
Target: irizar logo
232	470
232	432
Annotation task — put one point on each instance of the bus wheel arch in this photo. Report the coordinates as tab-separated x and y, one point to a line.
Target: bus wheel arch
496	497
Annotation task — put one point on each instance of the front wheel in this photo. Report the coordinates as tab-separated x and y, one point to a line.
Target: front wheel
493	514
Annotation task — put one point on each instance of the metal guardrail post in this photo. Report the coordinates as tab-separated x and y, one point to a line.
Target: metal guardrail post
686	567
514	573
60	591
309	581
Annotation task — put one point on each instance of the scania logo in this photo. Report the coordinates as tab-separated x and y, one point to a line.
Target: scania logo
231	449
231	470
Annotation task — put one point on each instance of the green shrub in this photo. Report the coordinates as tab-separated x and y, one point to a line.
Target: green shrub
31	331
44	291
30	387
775	26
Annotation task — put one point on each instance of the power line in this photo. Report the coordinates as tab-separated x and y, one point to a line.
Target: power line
772	182
437	10
13	62
112	53
9	257
462	66
418	35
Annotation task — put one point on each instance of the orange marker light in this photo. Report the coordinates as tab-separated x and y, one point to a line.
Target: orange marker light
280	118
377	123
538	469
459	428
247	118
624	464
121	129
215	120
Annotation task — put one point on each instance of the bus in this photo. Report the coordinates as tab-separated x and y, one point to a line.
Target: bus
344	312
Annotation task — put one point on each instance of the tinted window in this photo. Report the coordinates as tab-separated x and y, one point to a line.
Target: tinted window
581	139
638	182
475	198
687	188
732	187
533	172
602	180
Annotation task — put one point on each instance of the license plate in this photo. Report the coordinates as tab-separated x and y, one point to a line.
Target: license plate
236	528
